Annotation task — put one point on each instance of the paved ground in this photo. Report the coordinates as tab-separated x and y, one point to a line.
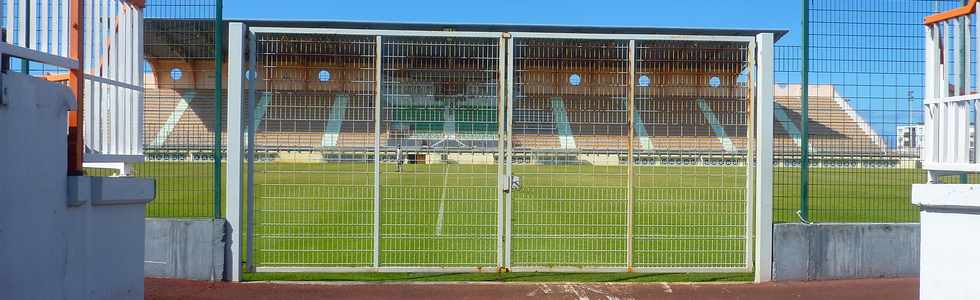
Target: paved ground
866	289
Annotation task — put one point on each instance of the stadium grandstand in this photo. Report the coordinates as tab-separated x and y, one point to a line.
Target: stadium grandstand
310	104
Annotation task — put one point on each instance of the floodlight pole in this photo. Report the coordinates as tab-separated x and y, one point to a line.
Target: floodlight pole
805	118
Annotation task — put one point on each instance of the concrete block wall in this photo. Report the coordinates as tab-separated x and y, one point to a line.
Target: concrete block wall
838	251
185	249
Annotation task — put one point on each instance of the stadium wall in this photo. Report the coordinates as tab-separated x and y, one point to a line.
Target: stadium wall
185	249
838	251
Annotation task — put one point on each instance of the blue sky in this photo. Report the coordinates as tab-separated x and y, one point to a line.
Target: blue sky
768	14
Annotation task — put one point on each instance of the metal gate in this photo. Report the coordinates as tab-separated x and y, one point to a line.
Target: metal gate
570	140
440	137
383	150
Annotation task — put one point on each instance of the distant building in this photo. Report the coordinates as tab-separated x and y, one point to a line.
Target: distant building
911	138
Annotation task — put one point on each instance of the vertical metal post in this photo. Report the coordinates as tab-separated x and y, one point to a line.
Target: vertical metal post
376	257
250	119
962	87
502	182
218	61
26	30
805	117
76	78
233	200
510	153
750	155
946	111
931	49
928	153
630	172
764	134
976	103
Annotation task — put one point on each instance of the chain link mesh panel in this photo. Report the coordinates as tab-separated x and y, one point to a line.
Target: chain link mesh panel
570	136
439	139
692	135
179	108
314	171
866	77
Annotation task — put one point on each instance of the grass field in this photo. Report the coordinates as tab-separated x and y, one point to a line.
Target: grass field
445	215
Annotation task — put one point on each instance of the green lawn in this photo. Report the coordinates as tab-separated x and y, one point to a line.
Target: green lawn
445	215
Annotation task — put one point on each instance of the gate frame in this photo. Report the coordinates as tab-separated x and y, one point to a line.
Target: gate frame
761	100
760	55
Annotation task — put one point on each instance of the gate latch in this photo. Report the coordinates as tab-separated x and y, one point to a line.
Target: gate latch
514	183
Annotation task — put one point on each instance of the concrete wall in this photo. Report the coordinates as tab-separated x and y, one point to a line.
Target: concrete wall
834	251
186	249
950	216
57	242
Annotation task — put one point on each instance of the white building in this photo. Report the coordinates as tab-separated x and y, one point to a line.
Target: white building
910	138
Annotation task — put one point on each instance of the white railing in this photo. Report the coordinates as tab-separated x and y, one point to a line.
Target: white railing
47	34
950	98
111	58
113	81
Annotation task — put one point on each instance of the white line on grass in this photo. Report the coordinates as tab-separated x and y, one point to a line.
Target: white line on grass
442	201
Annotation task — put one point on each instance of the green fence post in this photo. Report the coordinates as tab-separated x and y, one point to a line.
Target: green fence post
805	118
218	63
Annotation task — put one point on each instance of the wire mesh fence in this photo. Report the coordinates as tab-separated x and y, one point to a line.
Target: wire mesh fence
179	108
439	190
692	206
402	152
571	209
314	92
865	99
865	103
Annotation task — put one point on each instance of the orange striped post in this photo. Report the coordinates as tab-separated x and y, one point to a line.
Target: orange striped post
76	141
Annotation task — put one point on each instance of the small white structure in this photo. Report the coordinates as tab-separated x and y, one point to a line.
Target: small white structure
910	138
950	213
62	237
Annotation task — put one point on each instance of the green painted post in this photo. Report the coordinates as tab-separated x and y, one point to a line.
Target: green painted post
805	118
218	63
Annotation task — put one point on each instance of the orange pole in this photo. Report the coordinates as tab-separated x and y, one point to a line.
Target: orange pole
76	141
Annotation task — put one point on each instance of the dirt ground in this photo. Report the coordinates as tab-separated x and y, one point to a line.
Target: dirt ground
864	289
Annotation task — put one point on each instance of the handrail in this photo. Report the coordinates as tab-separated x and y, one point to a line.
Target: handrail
141	4
969	8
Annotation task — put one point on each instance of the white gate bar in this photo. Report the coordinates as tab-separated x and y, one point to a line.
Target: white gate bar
764	152
510	153
10	22
976	103
286	269
644	37
44	25
630	172
250	120
750	157
233	196
335	31
38	56
503	183
22	23
376	256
